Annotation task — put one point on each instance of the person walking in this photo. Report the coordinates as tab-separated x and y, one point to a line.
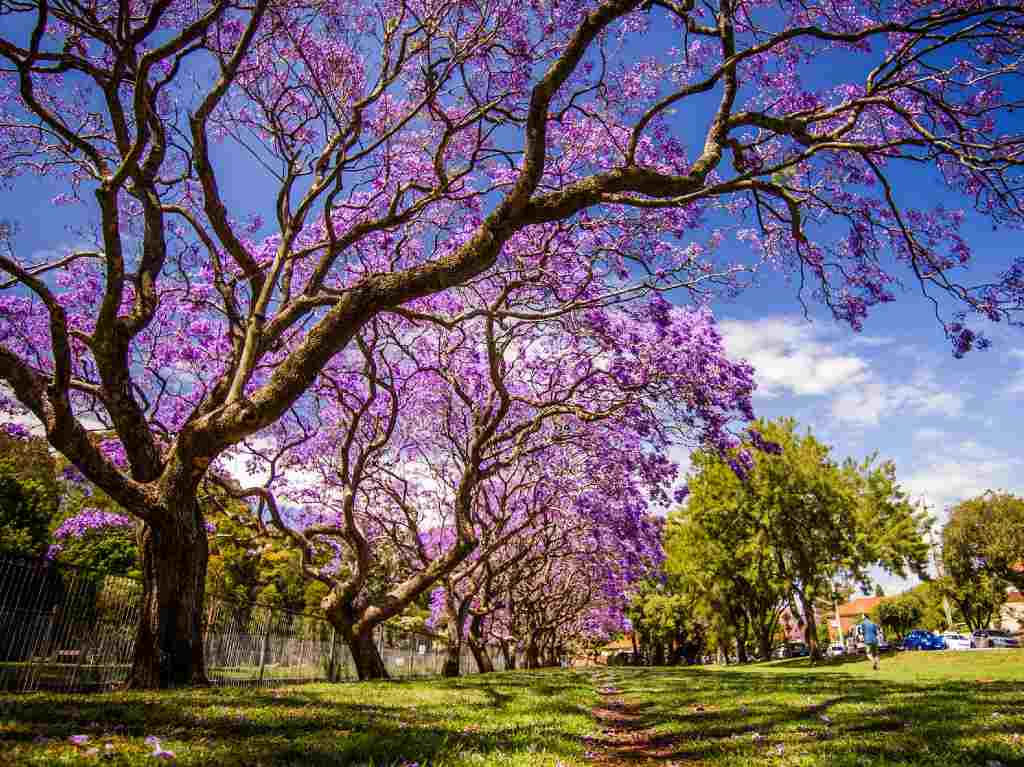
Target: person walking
870	633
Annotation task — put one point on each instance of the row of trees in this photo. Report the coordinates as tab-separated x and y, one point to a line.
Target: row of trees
536	585
405	245
786	543
980	560
785	538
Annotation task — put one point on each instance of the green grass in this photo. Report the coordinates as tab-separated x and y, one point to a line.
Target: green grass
512	719
921	709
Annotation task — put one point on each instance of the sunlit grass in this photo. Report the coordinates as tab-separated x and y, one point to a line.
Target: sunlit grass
940	709
530	718
920	710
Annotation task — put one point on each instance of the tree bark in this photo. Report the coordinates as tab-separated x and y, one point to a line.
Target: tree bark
741	649
169	637
483	660
358	638
550	655
366	655
810	626
532	654
658	654
478	648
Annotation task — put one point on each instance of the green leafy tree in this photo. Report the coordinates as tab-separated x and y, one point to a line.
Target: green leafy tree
986	535
981	546
722	555
978	599
898	615
800	520
29	495
928	596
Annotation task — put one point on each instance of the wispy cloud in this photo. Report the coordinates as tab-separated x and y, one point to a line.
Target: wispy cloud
794	357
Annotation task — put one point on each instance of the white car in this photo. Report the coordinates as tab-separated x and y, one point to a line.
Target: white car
836	650
955	641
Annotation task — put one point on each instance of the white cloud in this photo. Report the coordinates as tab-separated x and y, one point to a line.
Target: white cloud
793	356
959	471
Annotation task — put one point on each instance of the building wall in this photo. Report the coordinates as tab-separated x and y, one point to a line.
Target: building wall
1011	617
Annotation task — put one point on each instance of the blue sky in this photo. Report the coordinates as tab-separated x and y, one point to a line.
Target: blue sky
951	426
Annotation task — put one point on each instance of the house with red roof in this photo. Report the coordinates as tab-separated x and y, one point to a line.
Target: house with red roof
1011	617
849	615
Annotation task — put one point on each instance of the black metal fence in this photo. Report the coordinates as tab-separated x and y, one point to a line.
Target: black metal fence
67	628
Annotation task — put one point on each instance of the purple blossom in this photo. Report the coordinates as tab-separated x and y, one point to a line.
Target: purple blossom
15	430
89	519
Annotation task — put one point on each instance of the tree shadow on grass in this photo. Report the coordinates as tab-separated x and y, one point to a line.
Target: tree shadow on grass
735	717
318	725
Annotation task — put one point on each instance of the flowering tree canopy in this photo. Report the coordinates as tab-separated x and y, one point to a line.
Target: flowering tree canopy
398	148
438	444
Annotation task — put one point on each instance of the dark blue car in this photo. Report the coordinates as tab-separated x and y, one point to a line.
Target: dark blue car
919	639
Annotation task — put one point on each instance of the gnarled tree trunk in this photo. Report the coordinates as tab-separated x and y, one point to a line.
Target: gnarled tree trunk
366	656
169	636
358	636
483	660
532	660
453	659
478	647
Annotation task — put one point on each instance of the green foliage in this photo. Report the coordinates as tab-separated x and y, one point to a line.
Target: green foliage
112	550
663	619
982	546
978	598
720	556
986	535
248	567
798	521
899	615
28	496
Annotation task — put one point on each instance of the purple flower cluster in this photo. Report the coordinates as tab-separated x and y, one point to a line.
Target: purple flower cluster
90	519
15	430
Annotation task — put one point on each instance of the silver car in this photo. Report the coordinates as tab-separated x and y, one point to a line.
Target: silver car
956	641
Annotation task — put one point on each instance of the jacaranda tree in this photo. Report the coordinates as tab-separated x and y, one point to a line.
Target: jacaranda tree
437	447
394	149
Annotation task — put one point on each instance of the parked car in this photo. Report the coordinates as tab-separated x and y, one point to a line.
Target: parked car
791	650
836	650
797	650
957	641
919	639
995	638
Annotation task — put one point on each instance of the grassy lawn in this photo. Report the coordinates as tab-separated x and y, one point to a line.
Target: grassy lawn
934	708
922	709
511	719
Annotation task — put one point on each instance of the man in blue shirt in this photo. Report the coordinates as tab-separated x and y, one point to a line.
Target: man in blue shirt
870	633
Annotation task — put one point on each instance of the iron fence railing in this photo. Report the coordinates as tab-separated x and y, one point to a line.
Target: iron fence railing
67	628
